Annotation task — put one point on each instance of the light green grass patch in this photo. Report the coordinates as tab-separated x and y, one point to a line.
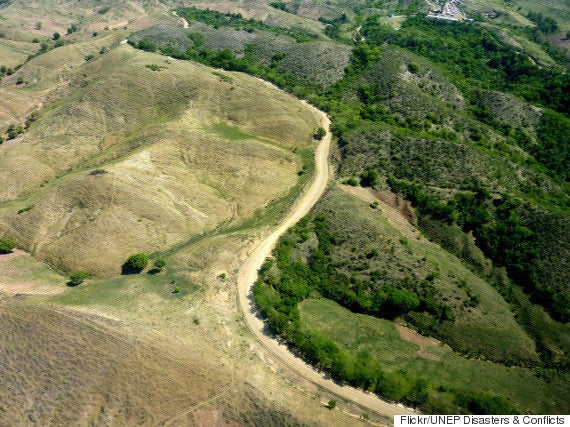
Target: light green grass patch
357	332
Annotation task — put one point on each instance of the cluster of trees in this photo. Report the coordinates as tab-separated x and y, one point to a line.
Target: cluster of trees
474	57
544	23
217	20
499	231
285	282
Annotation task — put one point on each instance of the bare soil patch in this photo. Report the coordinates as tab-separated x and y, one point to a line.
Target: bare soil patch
422	342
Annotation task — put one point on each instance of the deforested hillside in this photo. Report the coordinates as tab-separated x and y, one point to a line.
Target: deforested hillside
132	156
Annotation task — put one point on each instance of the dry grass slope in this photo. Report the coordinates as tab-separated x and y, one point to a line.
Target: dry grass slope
129	159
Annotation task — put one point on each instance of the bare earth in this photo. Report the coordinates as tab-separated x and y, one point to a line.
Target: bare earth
248	273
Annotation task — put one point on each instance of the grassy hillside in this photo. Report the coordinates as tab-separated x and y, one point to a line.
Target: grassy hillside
353	252
135	159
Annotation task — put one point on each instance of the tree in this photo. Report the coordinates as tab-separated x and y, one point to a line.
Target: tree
56	36
331	404
320	133
77	278
6	246
135	264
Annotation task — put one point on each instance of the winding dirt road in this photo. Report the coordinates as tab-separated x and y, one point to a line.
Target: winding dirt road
248	274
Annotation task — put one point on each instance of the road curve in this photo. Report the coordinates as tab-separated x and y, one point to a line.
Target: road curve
247	275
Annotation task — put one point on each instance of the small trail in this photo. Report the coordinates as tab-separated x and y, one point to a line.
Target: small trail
184	21
248	274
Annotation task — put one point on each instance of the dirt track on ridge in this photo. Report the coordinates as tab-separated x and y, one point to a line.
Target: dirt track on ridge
248	274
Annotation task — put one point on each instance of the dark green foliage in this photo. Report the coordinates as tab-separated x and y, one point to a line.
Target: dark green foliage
56	36
135	264
485	404
279	5
14	130
369	178
217	19
26	209
89	57
553	148
352	181
7	245
320	133
103	10
77	278
545	24
473	56
72	29
146	45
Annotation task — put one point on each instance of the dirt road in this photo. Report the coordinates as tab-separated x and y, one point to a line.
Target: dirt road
248	274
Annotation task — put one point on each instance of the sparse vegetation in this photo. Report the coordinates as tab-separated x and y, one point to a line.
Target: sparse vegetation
154	67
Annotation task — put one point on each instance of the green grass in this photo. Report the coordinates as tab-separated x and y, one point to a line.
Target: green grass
231	133
357	332
123	291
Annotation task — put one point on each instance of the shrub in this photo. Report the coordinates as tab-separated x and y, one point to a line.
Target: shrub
159	263
320	133
369	178
154	67
6	246
352	181
77	278
331	404
413	67
56	36
135	263
177	290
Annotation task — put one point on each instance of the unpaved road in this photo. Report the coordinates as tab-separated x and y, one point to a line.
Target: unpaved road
248	274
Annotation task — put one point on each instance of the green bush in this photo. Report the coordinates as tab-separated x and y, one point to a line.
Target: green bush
6	246
320	133
159	263
135	263
369	178
413	67
77	278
